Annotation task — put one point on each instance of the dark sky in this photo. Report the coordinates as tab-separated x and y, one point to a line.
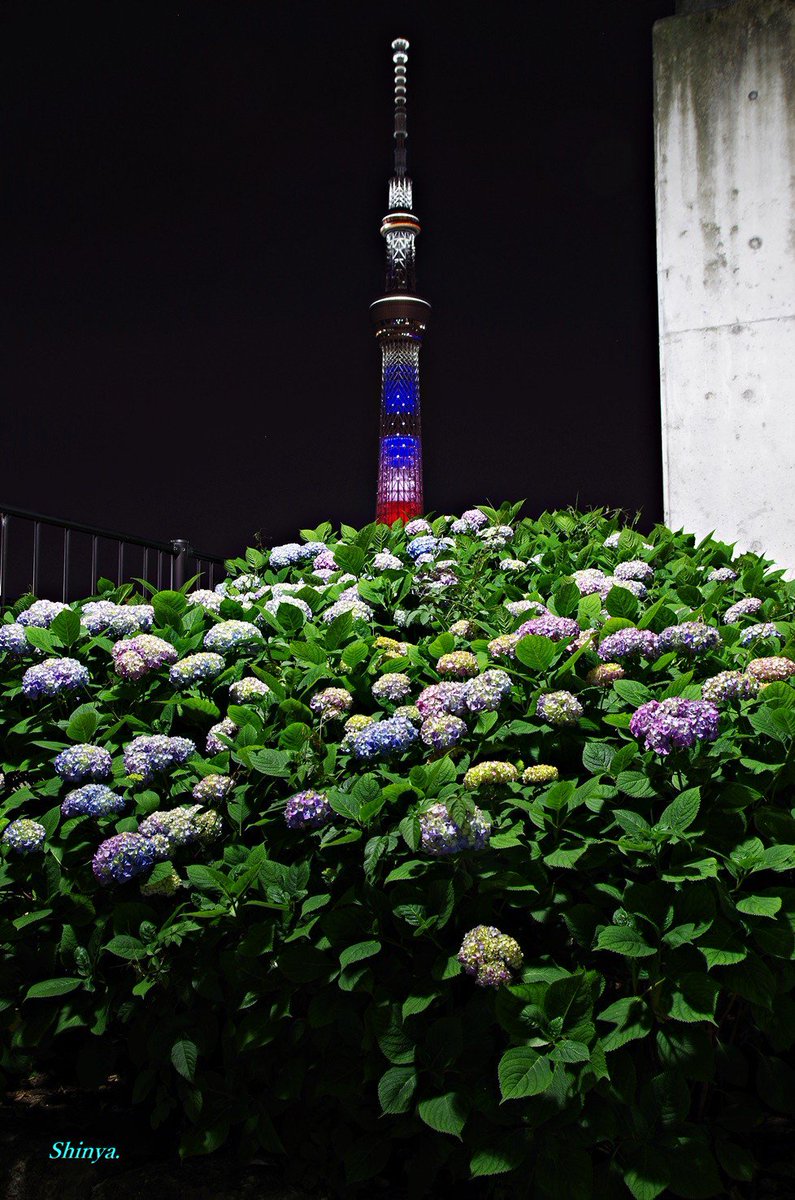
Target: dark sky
190	222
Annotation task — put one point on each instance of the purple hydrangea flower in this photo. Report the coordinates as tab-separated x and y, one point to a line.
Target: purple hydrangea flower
392	687
630	643
307	810
384	738
747	607
490	956
231	635
385	561
557	629
559	708
196	668
722	575
441	835
694	637
765	629
126	855
634	569
41	613
116	620
592	582
53	676
212	789
227	728
446	697
443	731
416	527
487	692
149	756
630	585
517	607
24	836
135	657
92	800
331	702
83	762
675	724
13	639
473	518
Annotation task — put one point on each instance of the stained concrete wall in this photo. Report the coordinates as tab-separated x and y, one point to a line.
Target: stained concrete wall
725	182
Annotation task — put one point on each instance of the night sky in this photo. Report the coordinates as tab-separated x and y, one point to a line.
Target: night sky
190	220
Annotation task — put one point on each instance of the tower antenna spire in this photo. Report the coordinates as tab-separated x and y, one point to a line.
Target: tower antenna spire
400	58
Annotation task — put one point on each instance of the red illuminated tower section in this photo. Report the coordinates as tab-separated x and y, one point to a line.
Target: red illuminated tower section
400	317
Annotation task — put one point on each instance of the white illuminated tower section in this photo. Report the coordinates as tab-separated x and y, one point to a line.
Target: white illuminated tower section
399	318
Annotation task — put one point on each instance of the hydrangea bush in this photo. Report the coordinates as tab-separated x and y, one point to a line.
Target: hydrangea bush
456	852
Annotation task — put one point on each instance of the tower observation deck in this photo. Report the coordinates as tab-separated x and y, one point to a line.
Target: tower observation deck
399	317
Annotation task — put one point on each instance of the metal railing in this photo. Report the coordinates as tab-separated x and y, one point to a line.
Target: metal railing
48	556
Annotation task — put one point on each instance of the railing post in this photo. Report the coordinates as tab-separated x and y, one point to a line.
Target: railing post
179	565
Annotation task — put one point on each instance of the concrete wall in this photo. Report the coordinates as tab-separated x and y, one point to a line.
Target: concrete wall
725	163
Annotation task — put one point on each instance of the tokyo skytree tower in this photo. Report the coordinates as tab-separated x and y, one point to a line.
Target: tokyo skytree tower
399	318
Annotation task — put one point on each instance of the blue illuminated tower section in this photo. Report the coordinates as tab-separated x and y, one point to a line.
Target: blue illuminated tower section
400	317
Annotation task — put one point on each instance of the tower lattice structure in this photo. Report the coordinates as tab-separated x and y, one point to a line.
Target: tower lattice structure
400	316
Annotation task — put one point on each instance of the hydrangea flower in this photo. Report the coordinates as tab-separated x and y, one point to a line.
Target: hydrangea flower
243	587
752	634
557	629
116	620
462	629
392	687
504	645
210	602
231	635
291	553
83	762
384	738
630	643
331	702
307	810
541	773
209	826
417	526
490	772
24	836
592	582
227	728
179	826
490	956
385	561
272	606
441	835
127	855
151	755
473	518
694	637
244	691
169	885
747	607
559	708
512	564
432	546
611	541
634	569
496	536
675	724
196	668
443	731
212	789
353	605
53	676
517	608
92	800
585	639
325	561
630	585
461	664
136	657
410	712
13	639
390	648
41	613
767	670
605	675
722	575
354	724
486	692
446	697
729	685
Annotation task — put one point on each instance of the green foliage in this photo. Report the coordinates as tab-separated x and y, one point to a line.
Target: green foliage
300	993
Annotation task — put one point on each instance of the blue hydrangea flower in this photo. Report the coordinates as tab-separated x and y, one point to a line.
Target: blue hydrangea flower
307	810
441	835
151	755
384	738
694	637
83	762
41	613
766	629
13	640
24	836
420	546
92	800
486	692
351	604
196	668
127	855
272	605
53	676
231	635
116	620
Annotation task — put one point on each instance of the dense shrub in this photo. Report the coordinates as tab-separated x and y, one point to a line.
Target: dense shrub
267	944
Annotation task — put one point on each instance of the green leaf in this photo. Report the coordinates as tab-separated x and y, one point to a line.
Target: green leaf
396	1089
183	1058
445	1114
497	1158
309	652
271	762
523	1072
349	558
682	811
632	1019
597	757
42	639
778	723
359	951
634	693
124	946
635	783
620	602
52	987
695	998
566	596
647	1173
536	652
169	607
759	906
83	722
66	626
622	939
443	644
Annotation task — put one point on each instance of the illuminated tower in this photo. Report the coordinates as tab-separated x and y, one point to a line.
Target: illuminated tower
399	318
